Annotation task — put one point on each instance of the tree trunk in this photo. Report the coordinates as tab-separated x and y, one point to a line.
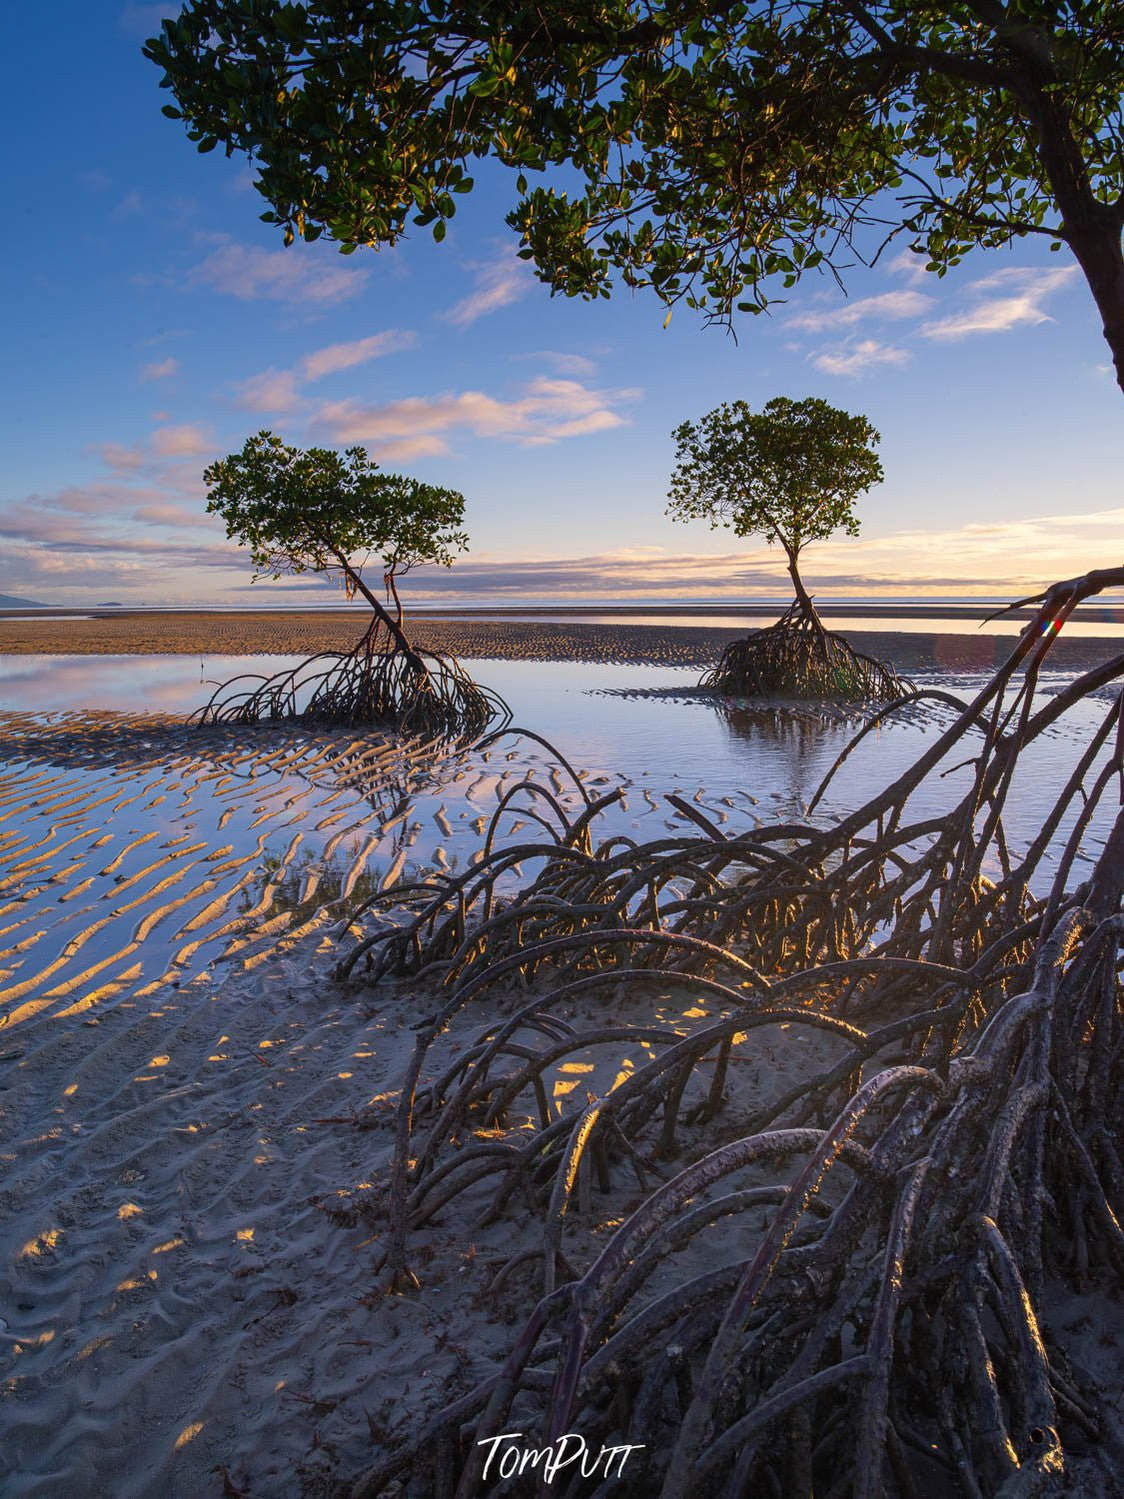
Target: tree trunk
1091	228
392	590
1098	252
803	597
393	625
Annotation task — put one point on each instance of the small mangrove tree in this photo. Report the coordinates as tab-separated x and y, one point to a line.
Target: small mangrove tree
791	473
330	513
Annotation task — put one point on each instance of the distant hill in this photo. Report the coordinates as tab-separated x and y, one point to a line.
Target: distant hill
11	601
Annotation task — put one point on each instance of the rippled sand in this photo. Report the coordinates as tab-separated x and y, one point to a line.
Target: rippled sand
196	1121
956	647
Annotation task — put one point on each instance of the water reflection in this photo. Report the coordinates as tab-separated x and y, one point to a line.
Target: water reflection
797	742
644	728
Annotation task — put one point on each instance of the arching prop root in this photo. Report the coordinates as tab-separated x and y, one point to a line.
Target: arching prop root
798	658
422	693
880	1330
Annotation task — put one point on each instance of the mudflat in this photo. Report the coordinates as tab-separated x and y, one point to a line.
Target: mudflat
955	644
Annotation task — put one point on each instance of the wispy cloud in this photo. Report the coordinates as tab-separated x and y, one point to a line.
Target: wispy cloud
180	442
147	535
888	305
564	364
346	356
271	391
1022	292
1003	558
162	369
496	283
120	459
904	262
857	358
548	410
298	274
275	390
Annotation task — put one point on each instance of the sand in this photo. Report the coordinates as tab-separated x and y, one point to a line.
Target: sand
955	646
197	1120
190	1218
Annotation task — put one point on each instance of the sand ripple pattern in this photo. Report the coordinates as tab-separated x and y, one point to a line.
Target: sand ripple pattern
136	853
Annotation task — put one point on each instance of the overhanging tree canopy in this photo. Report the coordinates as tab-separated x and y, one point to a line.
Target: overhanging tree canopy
719	148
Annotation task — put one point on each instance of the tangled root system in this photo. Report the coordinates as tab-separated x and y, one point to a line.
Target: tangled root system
798	658
424	693
896	1224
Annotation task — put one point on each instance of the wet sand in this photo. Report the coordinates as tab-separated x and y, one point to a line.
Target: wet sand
197	1120
955	645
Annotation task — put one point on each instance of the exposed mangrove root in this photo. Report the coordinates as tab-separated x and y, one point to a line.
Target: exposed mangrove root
797	658
895	1227
416	692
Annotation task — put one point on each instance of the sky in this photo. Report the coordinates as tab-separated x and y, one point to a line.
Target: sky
153	323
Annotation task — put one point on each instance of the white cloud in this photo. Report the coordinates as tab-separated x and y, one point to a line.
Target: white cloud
120	458
272	390
180	442
297	274
565	364
905	263
403	449
497	283
886	305
857	358
548	410
1025	290
345	356
162	369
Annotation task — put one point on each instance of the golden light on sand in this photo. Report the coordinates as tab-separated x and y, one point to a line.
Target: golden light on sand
70	1091
128	1210
189	1433
245	1235
35	1342
42	1244
627	1068
136	1283
563	1086
176	1243
92	1347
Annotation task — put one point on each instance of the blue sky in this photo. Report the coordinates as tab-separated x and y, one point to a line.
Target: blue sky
154	322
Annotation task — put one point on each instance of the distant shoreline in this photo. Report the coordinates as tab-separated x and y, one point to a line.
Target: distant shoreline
962	610
477	636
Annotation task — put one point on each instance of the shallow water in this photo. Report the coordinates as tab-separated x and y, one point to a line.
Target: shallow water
133	854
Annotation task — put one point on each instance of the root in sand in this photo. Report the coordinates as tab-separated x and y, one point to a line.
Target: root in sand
797	658
899	1222
378	682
